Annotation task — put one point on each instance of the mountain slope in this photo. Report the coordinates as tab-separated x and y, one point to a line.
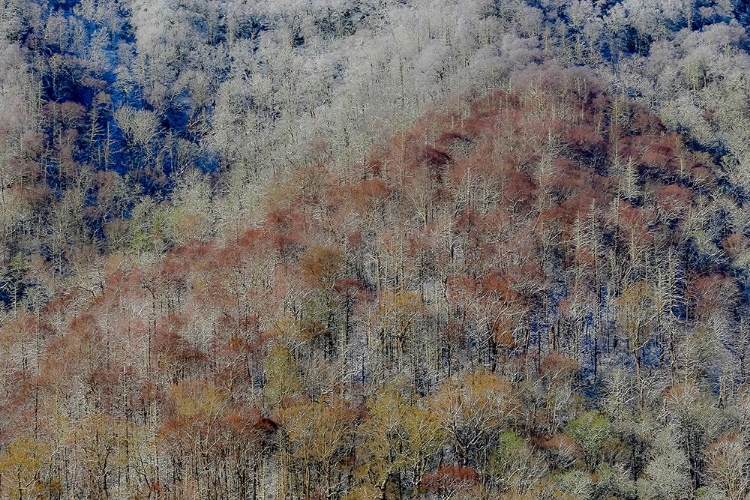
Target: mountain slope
539	278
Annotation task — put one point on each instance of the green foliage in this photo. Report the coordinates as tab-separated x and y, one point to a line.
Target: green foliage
596	436
514	465
574	484
282	376
614	481
398	439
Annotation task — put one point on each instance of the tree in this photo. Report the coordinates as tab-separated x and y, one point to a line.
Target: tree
636	316
400	316
595	435
472	407
23	464
452	482
726	465
319	440
514	465
398	441
191	434
283	378
696	422
667	475
103	449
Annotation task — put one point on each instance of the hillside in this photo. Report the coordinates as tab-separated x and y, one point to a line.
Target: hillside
534	292
374	250
119	115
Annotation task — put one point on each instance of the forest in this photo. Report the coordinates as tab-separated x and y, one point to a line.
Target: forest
374	250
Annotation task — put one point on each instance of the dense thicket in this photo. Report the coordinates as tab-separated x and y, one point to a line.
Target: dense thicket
112	108
374	249
536	292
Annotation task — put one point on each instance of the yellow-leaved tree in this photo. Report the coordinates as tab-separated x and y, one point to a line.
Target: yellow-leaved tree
397	440
472	408
319	441
21	468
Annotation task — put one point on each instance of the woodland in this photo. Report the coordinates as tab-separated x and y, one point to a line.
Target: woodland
374	250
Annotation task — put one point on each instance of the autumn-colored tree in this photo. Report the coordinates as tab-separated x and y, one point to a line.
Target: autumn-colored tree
637	314
23	464
726	461
451	482
191	434
319	441
399	441
472	407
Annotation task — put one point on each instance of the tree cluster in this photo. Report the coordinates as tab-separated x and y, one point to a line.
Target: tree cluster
374	249
525	295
